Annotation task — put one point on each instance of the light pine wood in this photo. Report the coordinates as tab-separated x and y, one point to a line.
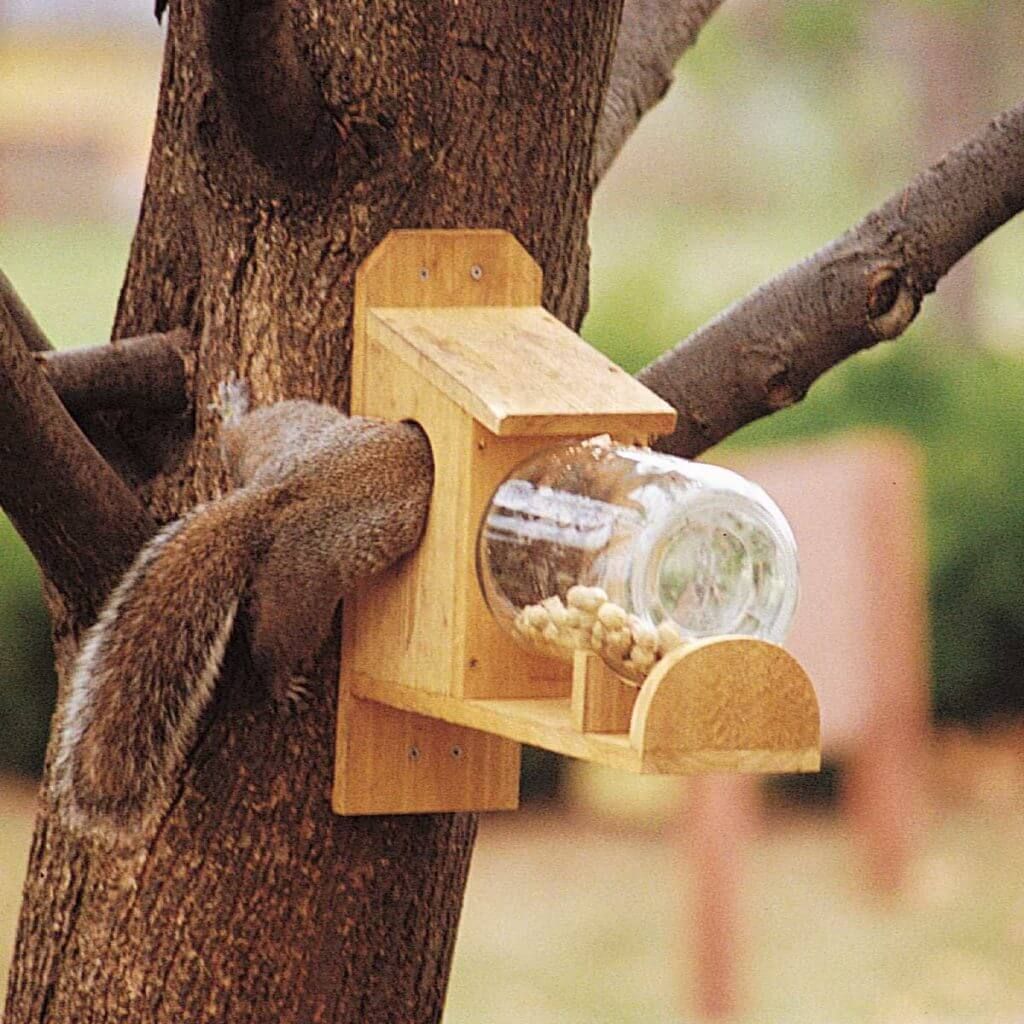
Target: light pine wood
435	697
427	621
540	722
520	371
728	704
726	698
601	700
393	274
400	763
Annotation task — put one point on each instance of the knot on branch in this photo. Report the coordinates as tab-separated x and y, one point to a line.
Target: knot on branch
781	391
891	302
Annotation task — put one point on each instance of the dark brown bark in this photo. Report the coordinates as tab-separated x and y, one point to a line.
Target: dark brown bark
764	352
146	373
31	333
653	35
271	178
76	515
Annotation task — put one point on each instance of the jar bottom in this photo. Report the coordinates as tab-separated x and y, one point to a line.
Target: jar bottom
717	564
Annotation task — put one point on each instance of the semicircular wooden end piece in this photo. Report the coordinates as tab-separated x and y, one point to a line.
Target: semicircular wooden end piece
727	704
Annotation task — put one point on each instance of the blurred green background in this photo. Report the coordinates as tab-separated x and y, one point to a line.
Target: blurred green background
788	122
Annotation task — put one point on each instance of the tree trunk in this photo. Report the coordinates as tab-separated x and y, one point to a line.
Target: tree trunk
289	139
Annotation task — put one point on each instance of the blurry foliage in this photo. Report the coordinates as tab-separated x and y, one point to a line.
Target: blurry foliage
963	406
27	682
818	29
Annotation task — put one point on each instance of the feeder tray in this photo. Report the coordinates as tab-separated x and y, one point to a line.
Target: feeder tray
435	697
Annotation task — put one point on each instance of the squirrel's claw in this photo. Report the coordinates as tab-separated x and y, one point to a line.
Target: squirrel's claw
298	694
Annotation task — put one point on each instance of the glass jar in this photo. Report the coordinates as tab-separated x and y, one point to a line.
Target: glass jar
629	553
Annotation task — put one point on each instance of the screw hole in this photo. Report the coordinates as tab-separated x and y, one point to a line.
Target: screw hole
476	271
414	753
424	273
456	752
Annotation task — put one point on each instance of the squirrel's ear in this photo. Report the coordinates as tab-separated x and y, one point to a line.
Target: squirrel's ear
232	401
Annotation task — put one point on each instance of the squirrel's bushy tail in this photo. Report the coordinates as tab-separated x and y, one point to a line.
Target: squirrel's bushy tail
137	691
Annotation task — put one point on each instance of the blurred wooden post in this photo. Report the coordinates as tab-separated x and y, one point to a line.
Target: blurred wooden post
726	806
856	508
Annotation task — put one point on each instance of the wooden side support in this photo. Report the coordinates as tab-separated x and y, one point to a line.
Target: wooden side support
601	700
727	704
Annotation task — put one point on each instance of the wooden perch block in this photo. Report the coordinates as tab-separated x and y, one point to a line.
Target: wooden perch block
435	696
734	704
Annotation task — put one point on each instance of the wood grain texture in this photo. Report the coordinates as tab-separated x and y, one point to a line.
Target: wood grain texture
426	624
601	700
538	721
520	371
401	763
727	703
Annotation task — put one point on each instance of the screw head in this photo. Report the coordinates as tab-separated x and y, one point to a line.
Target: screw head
476	271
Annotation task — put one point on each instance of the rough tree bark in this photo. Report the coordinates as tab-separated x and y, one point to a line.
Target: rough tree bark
289	139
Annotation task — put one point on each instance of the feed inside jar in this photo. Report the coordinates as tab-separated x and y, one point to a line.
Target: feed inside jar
629	553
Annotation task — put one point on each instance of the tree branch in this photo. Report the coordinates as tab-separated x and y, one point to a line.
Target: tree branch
653	35
764	352
146	373
30	331
79	519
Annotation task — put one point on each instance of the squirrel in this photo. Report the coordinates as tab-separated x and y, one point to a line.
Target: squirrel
322	501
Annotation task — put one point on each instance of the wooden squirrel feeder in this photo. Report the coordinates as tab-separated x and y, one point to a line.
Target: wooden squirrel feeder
435	697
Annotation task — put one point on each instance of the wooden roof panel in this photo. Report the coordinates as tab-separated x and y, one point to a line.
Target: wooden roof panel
519	371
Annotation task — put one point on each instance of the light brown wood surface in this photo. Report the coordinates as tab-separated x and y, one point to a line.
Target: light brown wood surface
727	704
411	625
449	333
520	371
415	764
601	700
724	699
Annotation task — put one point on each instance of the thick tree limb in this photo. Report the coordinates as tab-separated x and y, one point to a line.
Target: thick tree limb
79	519
764	352
30	331
145	373
653	35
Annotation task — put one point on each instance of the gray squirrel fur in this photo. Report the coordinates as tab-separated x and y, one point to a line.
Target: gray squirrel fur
321	502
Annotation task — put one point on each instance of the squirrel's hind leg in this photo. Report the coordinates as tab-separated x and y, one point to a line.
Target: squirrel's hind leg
292	610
